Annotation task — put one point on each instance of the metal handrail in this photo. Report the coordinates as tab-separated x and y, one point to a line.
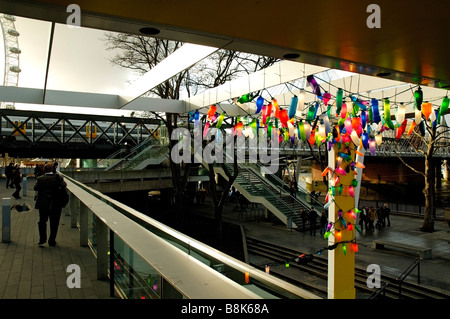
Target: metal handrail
380	290
406	272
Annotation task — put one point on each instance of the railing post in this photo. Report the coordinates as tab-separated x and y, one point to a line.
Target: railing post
83	225
418	272
111	263
74	203
6	220
102	250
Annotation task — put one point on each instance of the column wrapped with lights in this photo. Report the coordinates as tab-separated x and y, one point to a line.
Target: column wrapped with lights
341	262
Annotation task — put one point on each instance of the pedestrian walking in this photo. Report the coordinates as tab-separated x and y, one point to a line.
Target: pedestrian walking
47	202
312	221
372	217
16	181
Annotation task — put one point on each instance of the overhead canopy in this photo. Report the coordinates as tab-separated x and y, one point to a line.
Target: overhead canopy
411	43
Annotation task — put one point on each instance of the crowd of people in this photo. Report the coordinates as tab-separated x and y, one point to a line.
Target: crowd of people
372	218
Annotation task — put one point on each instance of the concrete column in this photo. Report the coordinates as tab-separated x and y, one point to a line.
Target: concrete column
6	220
84	229
341	266
74	208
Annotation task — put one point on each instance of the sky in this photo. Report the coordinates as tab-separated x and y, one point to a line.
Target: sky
79	60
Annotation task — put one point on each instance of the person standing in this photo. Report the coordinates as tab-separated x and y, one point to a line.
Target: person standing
387	211
312	221
16	181
8	173
47	186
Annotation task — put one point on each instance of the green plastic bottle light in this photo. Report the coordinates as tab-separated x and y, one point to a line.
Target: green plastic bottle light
387	114
339	96
418	97
443	109
220	120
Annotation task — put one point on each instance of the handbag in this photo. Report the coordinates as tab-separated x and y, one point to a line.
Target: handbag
62	194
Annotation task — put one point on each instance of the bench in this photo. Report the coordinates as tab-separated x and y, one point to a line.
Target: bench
424	253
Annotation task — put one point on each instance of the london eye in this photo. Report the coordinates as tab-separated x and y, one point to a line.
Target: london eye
12	54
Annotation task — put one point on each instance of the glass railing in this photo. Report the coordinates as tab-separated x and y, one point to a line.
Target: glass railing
135	278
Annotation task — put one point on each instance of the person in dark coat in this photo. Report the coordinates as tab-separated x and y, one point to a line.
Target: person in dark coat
8	173
312	221
16	181
46	202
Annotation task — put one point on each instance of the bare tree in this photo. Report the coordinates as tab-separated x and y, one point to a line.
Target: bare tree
141	54
426	141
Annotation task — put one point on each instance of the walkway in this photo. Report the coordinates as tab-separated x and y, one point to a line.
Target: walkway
28	271
434	272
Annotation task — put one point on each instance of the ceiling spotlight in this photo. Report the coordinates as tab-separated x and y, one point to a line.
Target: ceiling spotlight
149	31
290	56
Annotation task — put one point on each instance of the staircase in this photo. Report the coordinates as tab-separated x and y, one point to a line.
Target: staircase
269	192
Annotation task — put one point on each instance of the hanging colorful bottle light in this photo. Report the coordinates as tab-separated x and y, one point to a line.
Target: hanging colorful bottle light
375	111
326	98
205	130
268	111
293	107
426	110
411	127
372	146
355	247
401	111
326	122
355	138
313	83
311	112
443	109
348	125
239	127
259	104
344	110
387	114
363	119
418	98
365	140
307	127
276	108
220	120
212	111
301	131
196	118
284	117
339	96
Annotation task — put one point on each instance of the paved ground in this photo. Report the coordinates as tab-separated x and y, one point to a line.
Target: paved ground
28	271
435	272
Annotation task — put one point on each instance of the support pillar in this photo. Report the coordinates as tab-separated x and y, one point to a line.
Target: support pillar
341	266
